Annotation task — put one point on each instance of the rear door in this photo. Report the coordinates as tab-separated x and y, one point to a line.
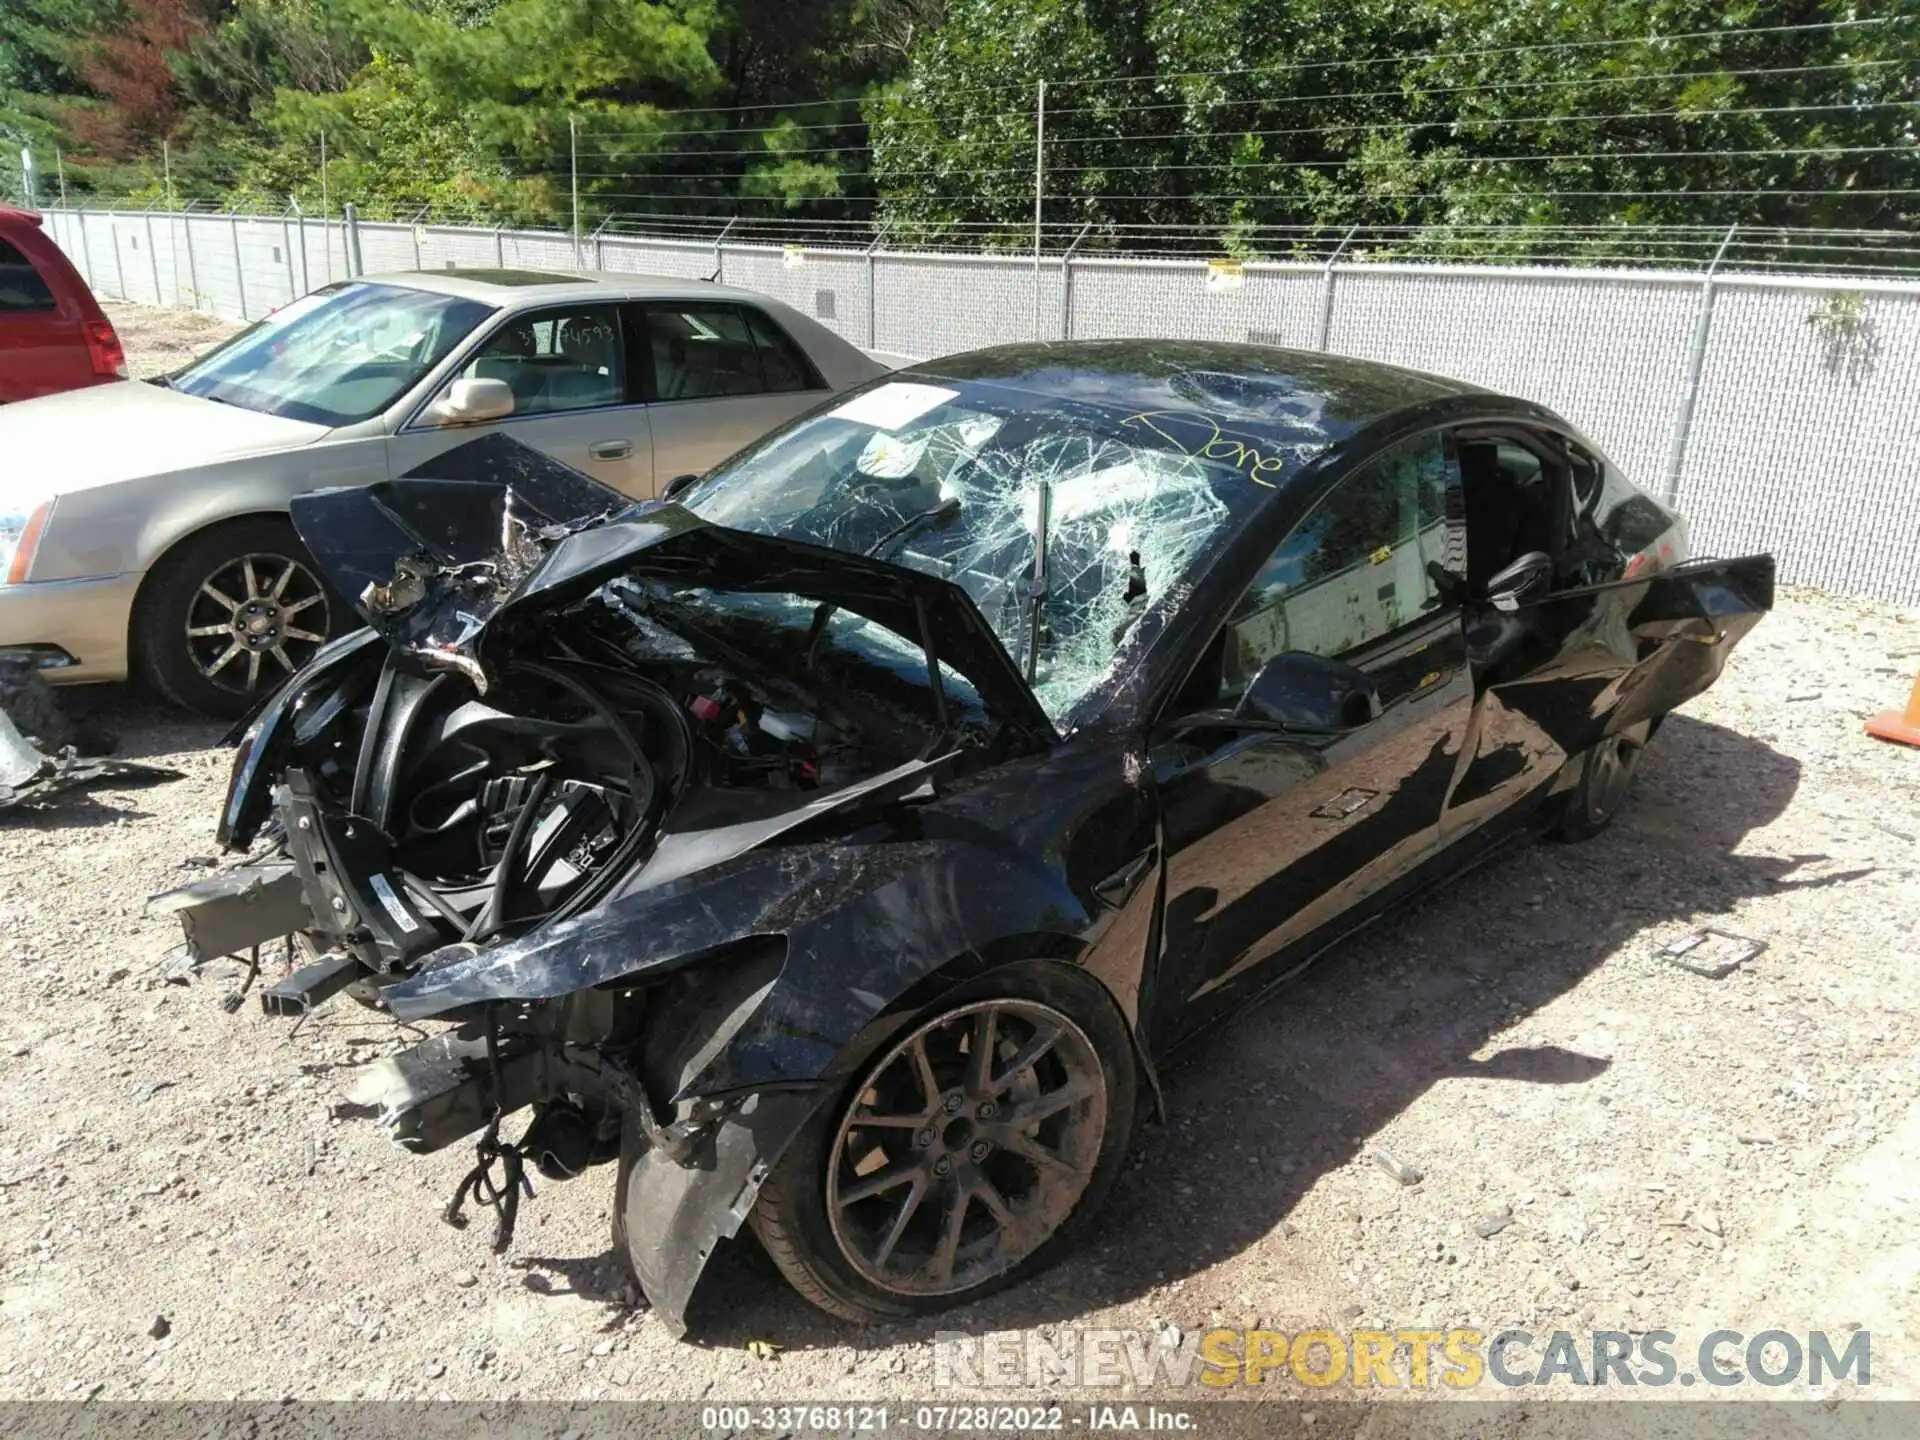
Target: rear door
575	396
1621	637
719	376
42	347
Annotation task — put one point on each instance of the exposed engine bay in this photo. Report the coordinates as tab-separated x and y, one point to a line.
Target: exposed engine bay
445	815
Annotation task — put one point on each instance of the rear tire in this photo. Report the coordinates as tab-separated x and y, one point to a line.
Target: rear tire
1014	1196
1606	779
229	614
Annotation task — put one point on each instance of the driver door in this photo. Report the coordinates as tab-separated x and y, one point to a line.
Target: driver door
1278	843
574	398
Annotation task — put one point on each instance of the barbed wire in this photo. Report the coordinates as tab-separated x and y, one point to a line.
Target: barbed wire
1026	113
884	172
1490	122
1569	82
876	184
760	137
1682	248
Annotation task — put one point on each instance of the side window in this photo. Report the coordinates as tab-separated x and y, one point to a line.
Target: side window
557	360
1356	567
702	351
1627	519
1591	558
21	286
781	362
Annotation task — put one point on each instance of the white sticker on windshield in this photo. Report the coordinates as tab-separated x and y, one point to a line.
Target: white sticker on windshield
888	457
897	403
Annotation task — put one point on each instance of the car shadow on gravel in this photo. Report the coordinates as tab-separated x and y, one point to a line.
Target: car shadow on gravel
115	722
142	724
73	810
1296	1087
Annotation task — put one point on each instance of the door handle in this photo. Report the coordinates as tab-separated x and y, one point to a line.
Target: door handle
610	449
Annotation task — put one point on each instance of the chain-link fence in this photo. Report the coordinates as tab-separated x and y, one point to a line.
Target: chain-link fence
1780	413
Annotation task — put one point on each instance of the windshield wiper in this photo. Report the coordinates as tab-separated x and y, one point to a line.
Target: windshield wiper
941	514
1037	588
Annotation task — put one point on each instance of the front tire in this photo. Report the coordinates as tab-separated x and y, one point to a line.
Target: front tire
965	1156
229	614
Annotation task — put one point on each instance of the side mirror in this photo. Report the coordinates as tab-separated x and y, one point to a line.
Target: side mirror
1310	692
677	484
1522	582
471	401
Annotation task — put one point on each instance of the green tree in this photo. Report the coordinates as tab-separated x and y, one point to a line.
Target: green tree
42	45
1447	126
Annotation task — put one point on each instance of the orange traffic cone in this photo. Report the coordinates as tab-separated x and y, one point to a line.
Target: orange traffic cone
1905	728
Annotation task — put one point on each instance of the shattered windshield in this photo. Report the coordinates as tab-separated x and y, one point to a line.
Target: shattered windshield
1062	521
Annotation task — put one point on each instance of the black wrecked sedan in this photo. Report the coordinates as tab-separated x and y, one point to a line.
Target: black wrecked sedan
838	846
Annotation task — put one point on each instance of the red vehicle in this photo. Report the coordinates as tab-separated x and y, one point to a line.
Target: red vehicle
53	335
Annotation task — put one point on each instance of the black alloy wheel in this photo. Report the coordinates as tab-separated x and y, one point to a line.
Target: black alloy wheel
963	1156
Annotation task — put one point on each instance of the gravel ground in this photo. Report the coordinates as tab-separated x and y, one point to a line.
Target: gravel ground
157	341
1670	1151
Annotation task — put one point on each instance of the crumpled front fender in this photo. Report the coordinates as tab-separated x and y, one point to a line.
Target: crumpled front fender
668	1216
863	924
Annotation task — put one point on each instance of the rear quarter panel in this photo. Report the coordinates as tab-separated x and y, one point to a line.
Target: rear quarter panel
43	352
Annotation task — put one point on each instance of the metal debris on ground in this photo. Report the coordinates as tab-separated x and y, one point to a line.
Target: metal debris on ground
1399	1169
1711	952
30	776
182	966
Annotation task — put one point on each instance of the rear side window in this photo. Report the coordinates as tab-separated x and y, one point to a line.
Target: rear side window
781	362
1612	517
21	286
700	352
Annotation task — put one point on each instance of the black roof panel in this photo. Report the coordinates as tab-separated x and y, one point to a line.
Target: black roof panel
1247	385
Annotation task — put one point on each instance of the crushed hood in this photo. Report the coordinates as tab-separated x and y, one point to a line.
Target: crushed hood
445	558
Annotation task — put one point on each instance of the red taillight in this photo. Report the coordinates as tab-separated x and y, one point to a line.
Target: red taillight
104	346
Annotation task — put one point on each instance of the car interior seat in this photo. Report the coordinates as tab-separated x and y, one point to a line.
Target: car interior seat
669	359
513	356
1509	502
591	374
706	369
